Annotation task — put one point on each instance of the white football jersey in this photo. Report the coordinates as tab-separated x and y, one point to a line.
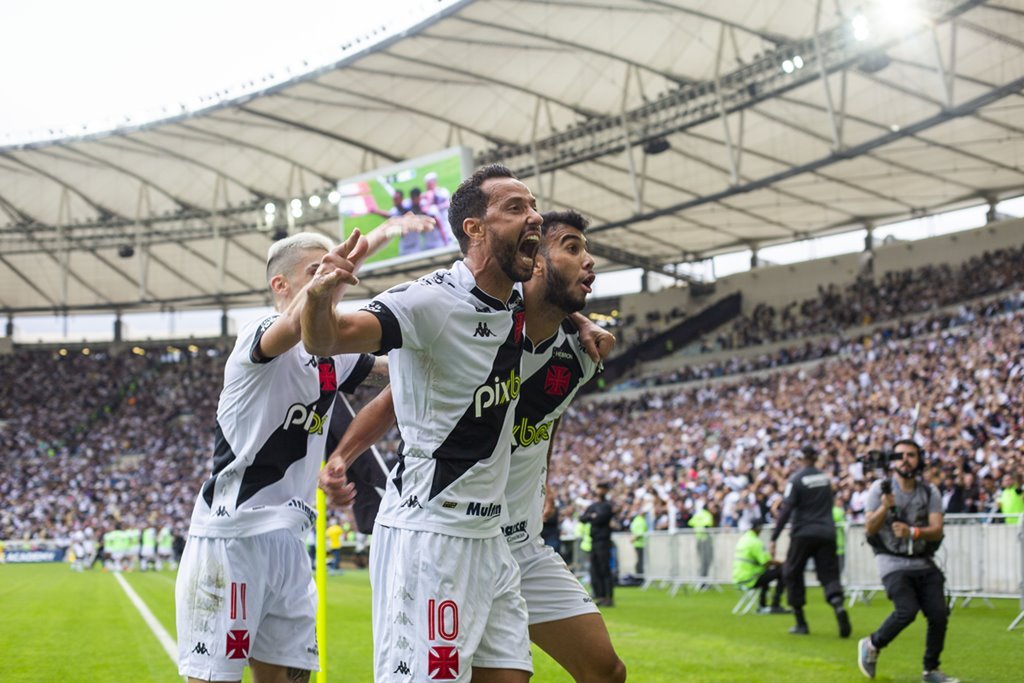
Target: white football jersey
453	357
272	422
553	372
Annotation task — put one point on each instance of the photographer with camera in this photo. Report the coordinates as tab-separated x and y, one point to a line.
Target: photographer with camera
904	527
808	499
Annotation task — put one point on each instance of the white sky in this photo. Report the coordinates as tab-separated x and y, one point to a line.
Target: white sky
72	63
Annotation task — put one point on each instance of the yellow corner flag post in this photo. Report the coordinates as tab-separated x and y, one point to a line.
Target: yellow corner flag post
321	583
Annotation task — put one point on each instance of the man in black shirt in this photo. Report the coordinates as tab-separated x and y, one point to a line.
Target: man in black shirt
808	499
599	516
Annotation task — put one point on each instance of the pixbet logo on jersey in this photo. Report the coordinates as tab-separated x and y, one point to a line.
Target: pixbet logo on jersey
500	393
306	416
525	434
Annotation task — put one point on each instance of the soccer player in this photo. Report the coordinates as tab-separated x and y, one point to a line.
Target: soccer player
244	593
455	338
563	620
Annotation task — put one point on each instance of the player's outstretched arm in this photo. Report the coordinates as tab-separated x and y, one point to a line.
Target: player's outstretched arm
325	332
396	226
369	426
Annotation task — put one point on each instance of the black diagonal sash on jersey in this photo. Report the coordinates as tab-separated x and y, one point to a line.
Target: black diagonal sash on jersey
368	472
288	444
473	439
546	389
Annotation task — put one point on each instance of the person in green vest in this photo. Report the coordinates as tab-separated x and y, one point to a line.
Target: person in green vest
585	544
165	547
147	556
754	569
701	522
638	529
839	517
1011	502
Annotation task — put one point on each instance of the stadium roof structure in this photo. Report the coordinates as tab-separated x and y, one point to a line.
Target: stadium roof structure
684	128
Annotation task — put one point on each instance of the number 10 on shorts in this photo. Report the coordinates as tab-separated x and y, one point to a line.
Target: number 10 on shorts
442	620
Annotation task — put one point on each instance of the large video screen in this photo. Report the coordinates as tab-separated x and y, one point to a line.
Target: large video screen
423	185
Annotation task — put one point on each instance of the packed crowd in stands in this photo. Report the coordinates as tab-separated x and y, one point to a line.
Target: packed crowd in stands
736	443
829	317
101	440
866	301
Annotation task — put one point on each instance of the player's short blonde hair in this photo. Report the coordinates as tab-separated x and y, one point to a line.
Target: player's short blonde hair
284	254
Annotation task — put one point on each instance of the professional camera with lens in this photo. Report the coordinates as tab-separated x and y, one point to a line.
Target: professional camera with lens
879	460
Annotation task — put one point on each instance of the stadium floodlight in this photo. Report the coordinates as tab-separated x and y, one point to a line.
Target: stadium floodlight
788	66
296	205
861	28
798	61
270	209
334	197
314	201
296	212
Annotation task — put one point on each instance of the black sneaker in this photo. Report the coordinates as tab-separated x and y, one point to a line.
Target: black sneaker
936	676
799	630
867	657
777	609
844	622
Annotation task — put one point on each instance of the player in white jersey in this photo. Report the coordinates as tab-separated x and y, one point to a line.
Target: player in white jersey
244	593
446	602
562	617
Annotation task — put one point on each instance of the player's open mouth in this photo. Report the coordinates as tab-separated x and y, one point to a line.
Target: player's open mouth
529	246
588	283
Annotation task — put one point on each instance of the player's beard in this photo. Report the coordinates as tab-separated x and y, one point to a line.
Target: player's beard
507	256
558	292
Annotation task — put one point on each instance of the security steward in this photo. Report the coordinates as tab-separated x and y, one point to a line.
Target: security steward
808	500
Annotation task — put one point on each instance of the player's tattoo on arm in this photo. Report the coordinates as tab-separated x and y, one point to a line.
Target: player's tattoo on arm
378	375
298	675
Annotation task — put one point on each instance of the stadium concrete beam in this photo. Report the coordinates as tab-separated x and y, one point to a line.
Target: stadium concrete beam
479	78
582	47
321	132
939	145
847	153
96	206
231	140
31	284
210	262
113	267
767	36
190	161
131	174
693	105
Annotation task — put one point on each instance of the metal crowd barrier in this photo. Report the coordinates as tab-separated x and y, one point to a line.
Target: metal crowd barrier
982	558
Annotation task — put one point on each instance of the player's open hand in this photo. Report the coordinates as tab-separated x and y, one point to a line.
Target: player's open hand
339	266
340	492
412	222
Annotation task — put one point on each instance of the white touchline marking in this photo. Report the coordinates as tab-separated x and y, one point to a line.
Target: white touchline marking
170	647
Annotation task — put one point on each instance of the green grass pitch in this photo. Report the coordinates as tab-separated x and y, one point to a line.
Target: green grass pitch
63	626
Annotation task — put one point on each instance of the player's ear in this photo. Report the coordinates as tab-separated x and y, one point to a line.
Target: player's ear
473	228
539	265
279	285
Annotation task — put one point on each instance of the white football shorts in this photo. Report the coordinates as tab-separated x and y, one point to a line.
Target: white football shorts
241	598
444	604
551	590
